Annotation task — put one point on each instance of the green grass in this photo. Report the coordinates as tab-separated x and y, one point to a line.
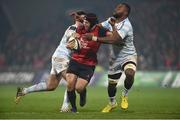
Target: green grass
143	103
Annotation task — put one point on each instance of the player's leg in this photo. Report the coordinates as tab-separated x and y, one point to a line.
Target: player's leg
84	76
81	89
112	83
129	70
49	85
60	64
71	78
71	81
65	105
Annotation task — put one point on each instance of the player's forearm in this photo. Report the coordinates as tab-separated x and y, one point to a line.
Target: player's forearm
107	40
114	38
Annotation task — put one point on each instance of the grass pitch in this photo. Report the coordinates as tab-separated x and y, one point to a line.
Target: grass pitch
143	103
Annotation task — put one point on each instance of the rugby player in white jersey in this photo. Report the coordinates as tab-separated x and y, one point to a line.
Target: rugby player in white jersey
123	56
60	60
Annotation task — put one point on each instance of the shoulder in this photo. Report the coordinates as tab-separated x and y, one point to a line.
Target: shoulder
127	23
105	23
124	25
72	27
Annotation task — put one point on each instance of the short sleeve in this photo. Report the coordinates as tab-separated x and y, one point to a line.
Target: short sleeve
70	31
106	24
124	30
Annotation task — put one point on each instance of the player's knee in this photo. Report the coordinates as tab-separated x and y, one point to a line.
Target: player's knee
51	87
129	73
70	86
79	89
70	82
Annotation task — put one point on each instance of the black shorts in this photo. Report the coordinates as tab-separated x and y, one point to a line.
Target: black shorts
81	70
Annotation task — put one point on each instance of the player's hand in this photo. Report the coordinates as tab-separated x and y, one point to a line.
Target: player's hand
76	35
112	21
87	36
70	45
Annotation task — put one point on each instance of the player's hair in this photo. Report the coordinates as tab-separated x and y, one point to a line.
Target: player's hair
92	18
80	12
128	7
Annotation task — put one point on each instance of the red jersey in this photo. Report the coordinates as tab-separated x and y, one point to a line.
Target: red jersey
88	53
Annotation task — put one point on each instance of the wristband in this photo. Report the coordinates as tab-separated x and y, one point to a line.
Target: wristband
94	38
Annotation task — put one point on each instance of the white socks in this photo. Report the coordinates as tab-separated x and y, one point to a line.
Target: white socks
112	100
125	92
42	86
66	99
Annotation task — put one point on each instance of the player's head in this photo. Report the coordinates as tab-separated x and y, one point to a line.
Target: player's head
78	17
122	10
90	20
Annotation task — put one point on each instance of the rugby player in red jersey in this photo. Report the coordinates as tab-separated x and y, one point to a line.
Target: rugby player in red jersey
82	64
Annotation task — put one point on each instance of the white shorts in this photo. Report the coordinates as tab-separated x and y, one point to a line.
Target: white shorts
118	65
59	64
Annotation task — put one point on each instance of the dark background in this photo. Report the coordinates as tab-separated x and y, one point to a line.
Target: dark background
30	31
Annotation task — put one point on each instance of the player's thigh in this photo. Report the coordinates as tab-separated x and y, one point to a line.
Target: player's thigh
72	73
84	77
52	82
81	84
59	66
71	79
129	62
62	75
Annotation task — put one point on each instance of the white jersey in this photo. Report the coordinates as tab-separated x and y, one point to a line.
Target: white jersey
121	53
61	50
125	30
61	56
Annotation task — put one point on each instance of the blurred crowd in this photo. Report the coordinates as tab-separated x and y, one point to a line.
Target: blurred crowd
156	33
28	50
157	28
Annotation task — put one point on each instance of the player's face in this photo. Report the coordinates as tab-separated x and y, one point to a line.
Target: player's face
119	11
79	21
86	25
82	18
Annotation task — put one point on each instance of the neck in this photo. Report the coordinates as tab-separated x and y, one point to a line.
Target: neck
120	19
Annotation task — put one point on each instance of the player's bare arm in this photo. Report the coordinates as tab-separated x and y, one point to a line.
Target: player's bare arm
114	37
111	37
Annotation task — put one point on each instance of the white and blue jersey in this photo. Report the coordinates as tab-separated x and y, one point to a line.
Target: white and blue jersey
61	56
61	50
122	52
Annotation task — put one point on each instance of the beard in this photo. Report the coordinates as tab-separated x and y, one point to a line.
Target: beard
117	15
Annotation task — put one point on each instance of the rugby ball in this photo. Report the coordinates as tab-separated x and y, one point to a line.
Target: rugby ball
74	43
